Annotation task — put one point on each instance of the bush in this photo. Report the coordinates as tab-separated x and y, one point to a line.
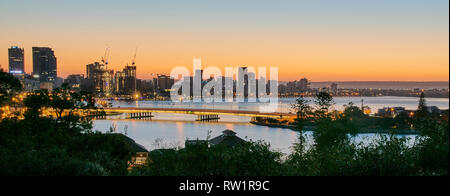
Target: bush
248	159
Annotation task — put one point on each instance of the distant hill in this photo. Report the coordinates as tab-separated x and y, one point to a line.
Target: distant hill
384	85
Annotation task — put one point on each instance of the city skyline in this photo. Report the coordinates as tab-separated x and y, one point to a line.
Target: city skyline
379	41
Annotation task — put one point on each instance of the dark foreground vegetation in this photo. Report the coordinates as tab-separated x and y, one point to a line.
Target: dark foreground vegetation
64	144
401	122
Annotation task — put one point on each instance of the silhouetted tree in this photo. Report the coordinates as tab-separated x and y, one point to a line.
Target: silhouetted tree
9	86
303	110
35	102
352	111
323	101
65	103
422	110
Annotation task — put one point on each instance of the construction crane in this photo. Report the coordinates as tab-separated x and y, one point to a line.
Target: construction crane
105	58
133	62
105	61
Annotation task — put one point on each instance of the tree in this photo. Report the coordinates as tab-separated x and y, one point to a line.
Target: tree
353	111
302	108
355	114
323	101
65	103
330	132
9	86
35	102
62	145
433	148
422	110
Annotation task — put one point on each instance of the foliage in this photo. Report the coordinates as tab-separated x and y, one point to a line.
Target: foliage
422	110
65	145
249	159
433	150
334	154
9	85
324	102
303	110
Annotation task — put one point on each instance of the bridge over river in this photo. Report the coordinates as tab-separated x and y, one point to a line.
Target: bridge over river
199	112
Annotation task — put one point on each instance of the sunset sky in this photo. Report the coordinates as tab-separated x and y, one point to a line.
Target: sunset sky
323	40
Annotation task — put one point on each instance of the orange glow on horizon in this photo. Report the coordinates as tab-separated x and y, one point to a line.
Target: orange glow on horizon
319	57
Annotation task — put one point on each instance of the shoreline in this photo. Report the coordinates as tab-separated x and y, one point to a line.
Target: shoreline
374	131
281	96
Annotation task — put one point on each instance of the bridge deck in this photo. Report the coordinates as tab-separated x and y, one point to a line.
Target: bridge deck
200	111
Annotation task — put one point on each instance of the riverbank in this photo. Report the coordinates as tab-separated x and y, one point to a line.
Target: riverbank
369	130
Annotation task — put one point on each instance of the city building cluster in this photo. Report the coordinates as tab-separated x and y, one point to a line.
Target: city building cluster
124	84
44	75
98	78
304	87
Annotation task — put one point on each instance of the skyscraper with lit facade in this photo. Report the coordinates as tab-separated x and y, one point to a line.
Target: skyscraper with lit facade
16	61
44	64
102	78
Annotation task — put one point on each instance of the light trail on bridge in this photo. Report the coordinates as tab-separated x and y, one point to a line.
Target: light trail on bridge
199	112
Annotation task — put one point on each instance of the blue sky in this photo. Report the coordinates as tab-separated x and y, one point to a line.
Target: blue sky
410	35
408	14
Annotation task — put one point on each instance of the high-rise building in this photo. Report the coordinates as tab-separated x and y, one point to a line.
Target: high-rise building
101	77
119	79
145	87
107	82
30	84
92	69
16	61
125	81
44	64
197	85
304	84
164	83
247	83
130	79
298	86
242	83
74	81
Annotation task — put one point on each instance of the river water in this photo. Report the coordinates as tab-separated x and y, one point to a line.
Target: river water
171	130
284	106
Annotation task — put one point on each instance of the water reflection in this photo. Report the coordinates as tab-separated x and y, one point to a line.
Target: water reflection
167	130
172	134
375	103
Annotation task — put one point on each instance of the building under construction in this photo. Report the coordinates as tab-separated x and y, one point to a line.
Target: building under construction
101	77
